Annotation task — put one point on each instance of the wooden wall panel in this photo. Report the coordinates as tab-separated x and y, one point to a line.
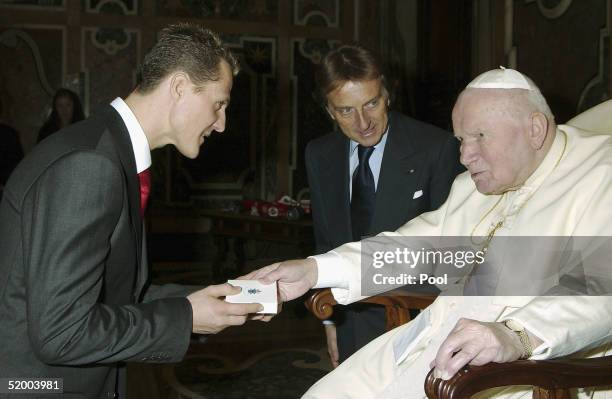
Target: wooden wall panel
110	59
563	46
31	67
309	118
272	115
444	58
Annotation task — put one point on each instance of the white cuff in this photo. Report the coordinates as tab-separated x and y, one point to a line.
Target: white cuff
328	322
331	271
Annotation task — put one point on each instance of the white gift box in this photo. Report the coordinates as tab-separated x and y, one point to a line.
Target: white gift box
255	292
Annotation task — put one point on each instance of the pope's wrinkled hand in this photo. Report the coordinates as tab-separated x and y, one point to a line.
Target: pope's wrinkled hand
294	277
476	343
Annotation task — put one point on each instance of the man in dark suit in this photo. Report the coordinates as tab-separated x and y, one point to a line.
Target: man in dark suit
73	299
381	170
11	151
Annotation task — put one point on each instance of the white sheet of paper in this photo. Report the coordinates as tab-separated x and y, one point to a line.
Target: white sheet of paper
255	292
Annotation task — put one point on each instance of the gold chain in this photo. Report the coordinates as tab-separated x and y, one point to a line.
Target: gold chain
487	241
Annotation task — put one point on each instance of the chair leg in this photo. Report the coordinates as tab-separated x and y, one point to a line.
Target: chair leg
541	393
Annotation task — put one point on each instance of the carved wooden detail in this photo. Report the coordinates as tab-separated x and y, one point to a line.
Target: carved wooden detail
581	63
397	305
551	379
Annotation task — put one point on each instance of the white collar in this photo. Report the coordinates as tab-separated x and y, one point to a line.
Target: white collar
380	144
140	144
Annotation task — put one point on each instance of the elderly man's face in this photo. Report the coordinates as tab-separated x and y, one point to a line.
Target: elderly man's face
494	144
360	109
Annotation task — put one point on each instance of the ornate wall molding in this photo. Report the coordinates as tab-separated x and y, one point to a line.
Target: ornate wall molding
117	45
596	90
553	12
312	51
102	50
10	37
32	67
584	29
110	40
127	7
307	12
41	5
257	56
245	10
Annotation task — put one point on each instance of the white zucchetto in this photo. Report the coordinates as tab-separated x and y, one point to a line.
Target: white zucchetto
502	78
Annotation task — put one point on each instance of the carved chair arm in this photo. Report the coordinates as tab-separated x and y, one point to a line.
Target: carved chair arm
551	379
321	304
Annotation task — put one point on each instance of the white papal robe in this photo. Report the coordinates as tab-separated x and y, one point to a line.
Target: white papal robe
569	194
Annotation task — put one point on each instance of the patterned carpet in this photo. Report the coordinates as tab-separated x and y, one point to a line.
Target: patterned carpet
272	374
276	360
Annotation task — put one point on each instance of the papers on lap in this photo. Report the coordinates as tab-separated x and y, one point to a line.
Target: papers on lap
255	292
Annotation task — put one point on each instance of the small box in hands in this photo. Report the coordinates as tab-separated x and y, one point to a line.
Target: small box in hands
255	292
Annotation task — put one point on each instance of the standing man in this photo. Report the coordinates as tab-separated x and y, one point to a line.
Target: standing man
73	301
382	170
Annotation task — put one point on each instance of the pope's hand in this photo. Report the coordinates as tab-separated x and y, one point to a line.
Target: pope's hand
294	277
476	343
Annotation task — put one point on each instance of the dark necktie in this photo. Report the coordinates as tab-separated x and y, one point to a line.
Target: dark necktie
145	189
364	194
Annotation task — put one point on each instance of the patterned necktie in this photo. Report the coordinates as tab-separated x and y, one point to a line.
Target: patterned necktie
145	189
364	194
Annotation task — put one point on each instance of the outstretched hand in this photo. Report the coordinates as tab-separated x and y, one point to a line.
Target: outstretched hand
294	277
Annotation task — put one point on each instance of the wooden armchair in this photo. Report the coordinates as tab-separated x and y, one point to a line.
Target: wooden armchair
551	379
321	304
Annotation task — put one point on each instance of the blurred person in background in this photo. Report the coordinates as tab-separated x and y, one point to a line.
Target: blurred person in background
66	110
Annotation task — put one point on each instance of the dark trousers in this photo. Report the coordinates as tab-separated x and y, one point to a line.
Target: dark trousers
356	325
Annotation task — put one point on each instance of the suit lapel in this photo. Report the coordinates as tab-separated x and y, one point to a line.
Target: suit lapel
397	180
335	168
119	132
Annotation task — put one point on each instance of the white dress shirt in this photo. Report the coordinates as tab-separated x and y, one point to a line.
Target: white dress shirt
375	160
140	144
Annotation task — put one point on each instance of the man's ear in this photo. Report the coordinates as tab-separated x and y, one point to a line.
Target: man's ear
537	130
179	83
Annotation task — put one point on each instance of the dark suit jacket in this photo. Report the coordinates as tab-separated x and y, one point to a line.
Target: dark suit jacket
72	272
417	156
10	152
